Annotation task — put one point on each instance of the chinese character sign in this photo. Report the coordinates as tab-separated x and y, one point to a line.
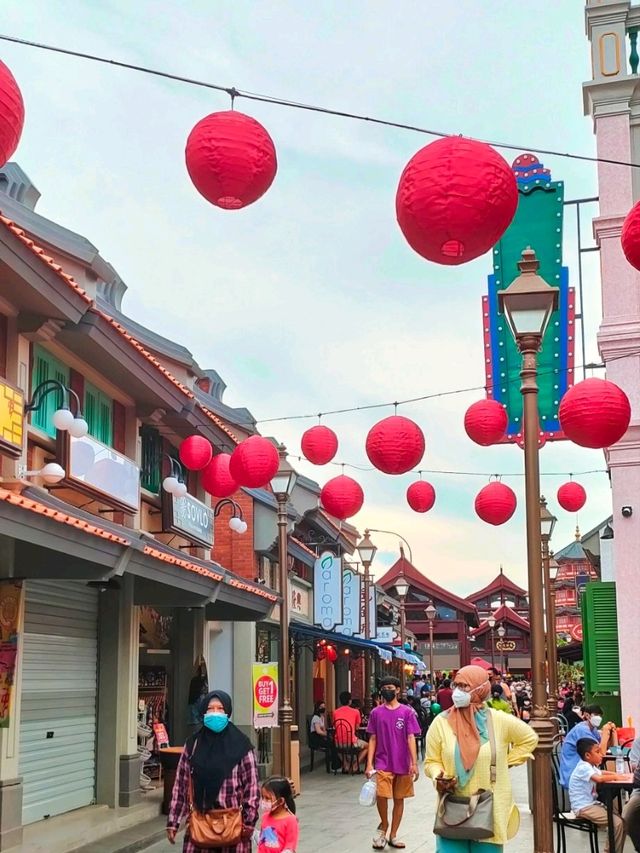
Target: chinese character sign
265	695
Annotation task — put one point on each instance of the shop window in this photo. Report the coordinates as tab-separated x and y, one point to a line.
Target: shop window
46	366
98	412
151	469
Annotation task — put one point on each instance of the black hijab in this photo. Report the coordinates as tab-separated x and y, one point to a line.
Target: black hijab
213	755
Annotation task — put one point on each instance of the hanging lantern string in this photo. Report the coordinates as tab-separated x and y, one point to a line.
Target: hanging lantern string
297	105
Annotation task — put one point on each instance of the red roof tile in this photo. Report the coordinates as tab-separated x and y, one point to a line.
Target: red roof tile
304	547
62	517
179	561
256	590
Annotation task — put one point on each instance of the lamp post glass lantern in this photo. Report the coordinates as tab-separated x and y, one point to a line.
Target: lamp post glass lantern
282	485
367	551
491	621
431	613
527	305
402	588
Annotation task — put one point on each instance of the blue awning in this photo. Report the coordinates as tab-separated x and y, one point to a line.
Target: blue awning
334	637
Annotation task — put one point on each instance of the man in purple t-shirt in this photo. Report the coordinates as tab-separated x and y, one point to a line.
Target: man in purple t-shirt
392	757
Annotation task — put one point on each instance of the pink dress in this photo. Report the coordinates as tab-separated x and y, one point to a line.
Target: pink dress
278	835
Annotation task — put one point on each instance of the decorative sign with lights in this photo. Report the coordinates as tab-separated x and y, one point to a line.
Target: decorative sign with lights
506	645
11	419
189	518
99	472
327	586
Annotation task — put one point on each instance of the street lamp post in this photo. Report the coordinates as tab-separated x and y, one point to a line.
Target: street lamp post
528	304
431	613
501	632
547	525
282	485
367	551
491	622
402	588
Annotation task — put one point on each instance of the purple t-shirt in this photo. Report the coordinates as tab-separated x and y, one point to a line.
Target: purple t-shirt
392	727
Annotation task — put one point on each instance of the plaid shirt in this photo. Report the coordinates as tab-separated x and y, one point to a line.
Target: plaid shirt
239	790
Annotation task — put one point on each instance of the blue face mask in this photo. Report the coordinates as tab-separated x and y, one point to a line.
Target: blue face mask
215	721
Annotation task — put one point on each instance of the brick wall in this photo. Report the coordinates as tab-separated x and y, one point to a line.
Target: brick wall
232	550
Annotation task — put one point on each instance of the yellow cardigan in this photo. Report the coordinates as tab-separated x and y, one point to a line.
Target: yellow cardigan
515	742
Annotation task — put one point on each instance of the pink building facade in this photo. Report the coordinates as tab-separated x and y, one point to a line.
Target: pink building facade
612	98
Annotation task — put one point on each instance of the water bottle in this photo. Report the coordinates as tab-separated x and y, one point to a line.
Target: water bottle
369	791
620	768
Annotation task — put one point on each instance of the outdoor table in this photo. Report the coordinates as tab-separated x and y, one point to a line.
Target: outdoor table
608	792
169	758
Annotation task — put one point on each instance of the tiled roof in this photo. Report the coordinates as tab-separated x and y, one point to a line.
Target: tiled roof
47	259
256	590
179	561
62	517
304	547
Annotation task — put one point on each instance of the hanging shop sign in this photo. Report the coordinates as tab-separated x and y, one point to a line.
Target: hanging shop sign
385	634
373	613
351	598
99	471
298	600
11	419
327	591
265	695
189	518
506	645
10	602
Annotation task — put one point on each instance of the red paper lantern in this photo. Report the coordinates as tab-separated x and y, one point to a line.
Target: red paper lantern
195	452
319	444
11	114
395	445
217	479
254	462
595	413
332	654
630	236
455	200
571	496
421	496
486	422
231	159
496	503
342	497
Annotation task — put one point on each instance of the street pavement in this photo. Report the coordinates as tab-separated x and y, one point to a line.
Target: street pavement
332	821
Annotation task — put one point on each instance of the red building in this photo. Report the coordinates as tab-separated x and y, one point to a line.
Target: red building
575	570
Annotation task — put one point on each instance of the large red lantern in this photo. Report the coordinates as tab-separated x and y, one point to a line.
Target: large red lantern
217	479
594	413
332	654
630	237
455	200
11	114
486	422
254	462
496	503
342	497
421	496
231	159
195	452
395	445
319	444
571	496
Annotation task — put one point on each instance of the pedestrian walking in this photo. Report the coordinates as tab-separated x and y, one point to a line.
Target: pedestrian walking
459	756
217	771
279	827
392	756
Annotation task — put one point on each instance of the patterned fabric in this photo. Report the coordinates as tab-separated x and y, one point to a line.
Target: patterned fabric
240	790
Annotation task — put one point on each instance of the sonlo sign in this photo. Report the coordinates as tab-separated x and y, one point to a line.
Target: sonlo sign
327	591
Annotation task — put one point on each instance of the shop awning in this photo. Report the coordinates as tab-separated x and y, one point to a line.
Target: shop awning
342	639
409	657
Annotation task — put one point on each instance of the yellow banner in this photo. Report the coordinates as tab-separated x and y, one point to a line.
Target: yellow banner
264	677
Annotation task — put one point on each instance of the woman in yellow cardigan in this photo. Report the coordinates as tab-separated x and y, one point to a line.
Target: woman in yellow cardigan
459	756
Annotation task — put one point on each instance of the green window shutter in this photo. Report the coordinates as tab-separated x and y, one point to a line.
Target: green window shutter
600	637
98	412
151	468
46	366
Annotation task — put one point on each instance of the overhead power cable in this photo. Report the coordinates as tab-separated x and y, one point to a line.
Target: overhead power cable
234	93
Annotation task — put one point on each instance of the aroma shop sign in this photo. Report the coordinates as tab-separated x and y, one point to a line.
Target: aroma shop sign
327	591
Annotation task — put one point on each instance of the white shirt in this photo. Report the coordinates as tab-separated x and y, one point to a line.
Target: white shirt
582	790
316	720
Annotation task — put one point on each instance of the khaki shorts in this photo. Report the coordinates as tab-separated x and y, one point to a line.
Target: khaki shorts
392	786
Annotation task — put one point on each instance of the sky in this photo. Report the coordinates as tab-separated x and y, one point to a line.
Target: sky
311	299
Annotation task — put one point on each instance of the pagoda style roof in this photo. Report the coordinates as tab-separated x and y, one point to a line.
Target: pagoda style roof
504	614
572	552
501	583
417	579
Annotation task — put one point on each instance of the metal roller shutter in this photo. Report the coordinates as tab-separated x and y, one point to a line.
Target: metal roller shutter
59	685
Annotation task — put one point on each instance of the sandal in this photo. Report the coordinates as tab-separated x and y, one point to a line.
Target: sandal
380	841
400	845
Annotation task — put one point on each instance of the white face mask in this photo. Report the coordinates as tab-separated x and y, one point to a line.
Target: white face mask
576	710
596	721
460	698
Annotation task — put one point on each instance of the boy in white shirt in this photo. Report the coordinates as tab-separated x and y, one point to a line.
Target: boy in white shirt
582	790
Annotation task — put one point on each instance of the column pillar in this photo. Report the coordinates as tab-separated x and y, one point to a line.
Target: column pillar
244	654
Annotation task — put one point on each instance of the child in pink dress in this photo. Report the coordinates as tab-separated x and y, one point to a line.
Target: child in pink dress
279	828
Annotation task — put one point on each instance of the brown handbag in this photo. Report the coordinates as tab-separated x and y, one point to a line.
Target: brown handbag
215	828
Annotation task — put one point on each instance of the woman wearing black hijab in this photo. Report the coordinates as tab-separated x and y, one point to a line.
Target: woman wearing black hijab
222	765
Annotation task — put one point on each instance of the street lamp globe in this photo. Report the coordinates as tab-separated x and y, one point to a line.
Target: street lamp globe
529	301
283	482
401	586
547	520
501	631
431	612
366	549
491	621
